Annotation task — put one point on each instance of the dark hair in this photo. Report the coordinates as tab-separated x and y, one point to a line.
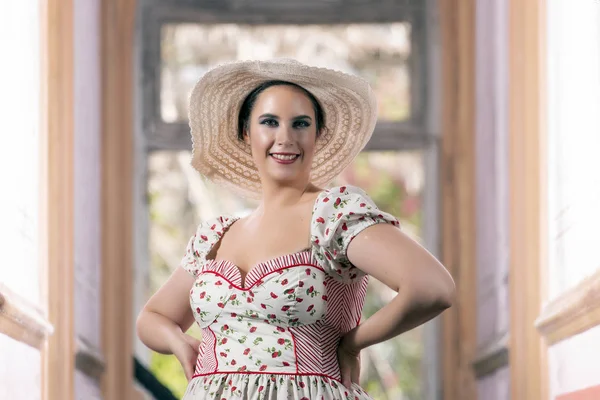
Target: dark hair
248	104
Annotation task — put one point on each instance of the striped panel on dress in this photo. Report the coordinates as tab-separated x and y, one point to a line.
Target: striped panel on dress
316	344
345	303
316	349
226	269
262	269
207	358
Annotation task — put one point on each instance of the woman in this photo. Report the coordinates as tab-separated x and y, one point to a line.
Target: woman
279	294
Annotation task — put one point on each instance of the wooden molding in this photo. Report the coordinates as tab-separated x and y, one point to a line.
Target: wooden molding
528	197
300	12
57	195
89	360
457	178
573	312
407	135
21	320
491	357
117	156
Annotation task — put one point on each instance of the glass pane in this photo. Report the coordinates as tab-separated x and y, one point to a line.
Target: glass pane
377	52
395	181
573	123
180	199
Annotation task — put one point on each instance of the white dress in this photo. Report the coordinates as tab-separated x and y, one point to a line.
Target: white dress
277	337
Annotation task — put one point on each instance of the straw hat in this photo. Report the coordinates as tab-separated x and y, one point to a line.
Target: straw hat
348	102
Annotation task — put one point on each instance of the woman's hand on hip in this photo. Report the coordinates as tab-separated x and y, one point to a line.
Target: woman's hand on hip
186	350
349	361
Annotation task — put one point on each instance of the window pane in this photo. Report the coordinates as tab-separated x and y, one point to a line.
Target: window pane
20	171
395	181
573	128
377	52
180	199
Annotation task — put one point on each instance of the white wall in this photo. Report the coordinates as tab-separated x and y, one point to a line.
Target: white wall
574	131
19	159
19	184
574	176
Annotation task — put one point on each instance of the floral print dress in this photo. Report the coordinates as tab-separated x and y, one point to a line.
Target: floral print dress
276	336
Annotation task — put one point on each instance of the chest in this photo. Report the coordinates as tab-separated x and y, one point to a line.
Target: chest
290	295
250	243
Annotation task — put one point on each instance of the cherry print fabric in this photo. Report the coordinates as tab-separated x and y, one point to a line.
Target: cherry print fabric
339	215
276	336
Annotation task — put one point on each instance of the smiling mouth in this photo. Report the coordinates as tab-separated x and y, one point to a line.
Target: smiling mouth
284	156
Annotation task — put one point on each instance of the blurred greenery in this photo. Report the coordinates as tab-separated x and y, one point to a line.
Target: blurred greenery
168	370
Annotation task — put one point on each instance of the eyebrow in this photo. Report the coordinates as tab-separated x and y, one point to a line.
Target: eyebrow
276	117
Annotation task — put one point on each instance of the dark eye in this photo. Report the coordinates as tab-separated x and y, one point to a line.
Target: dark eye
301	124
269	122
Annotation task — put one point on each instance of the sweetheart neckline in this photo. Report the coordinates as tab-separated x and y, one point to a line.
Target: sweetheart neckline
226	226
257	265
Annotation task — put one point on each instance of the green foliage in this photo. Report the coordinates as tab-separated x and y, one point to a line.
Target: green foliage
404	353
168	370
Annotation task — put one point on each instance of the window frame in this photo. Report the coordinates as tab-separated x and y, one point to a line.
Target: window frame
406	135
528	355
573	308
420	132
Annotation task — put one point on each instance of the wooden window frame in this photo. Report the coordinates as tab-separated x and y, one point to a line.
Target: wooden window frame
23	321
528	197
410	134
57	214
527	354
572	312
457	23
118	18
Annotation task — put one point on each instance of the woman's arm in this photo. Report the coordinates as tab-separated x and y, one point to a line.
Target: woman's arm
424	287
166	317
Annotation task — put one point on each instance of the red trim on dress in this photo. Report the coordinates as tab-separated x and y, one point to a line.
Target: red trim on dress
295	351
214	348
267	373
262	276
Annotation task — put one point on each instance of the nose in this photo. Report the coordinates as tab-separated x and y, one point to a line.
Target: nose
284	135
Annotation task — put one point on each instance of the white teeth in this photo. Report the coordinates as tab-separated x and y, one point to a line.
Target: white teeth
284	157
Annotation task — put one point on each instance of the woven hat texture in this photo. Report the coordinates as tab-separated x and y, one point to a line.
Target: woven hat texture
350	115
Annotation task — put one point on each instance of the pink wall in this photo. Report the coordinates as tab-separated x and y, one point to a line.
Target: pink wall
491	189
574	365
20	370
87	185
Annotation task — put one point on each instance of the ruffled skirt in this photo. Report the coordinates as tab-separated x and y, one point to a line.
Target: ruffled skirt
270	387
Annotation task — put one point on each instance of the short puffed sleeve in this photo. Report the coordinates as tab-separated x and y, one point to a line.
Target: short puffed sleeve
340	214
199	246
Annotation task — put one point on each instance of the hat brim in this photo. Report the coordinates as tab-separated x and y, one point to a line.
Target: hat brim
350	115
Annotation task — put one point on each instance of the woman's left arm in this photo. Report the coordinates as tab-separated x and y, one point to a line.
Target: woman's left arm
424	286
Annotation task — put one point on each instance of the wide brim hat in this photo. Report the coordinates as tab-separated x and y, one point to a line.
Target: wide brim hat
350	115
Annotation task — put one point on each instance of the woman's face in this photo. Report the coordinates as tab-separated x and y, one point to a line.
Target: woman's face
282	134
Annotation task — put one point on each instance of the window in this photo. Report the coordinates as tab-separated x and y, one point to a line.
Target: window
574	141
19	160
23	328
377	52
384	42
